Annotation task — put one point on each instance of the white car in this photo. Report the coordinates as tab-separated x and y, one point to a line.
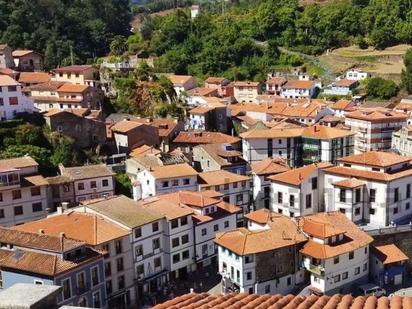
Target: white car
371	290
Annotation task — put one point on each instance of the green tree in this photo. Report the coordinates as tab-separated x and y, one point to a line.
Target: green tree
406	76
123	184
30	135
377	87
118	46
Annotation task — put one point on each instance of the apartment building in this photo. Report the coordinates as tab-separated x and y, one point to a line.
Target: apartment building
372	187
165	179
102	235
246	91
263	257
23	191
49	260
79	183
146	229
374	127
261	171
336	254
299	192
12	100
234	188
85	75
402	141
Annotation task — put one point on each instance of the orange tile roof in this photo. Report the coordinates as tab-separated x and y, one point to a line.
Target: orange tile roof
325	133
36	180
89	228
73	88
34	77
220	177
204	137
296	176
201	110
272	133
6	80
246	84
16	163
373	115
336	222
298	84
214	80
179	79
283	232
73	68
270	166
143	150
170	209
173	171
267	301
349	183
22	52
389	254
341	104
81	112
125	126
345	83
201	91
376	158
276	80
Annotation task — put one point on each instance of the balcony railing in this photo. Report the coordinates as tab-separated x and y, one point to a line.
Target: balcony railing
317	270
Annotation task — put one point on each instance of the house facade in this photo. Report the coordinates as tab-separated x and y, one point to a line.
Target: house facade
246	91
27	60
12	100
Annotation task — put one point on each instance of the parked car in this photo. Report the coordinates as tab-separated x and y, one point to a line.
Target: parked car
371	290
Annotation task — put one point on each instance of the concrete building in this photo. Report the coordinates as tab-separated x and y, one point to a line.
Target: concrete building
354	74
337	253
246	91
249	263
402	141
23	191
298	192
374	127
12	100
85	75
27	60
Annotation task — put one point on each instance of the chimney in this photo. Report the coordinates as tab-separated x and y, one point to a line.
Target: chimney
41	232
65	206
62	235
59	210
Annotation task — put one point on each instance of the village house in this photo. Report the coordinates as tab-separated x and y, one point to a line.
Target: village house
102	235
274	84
146	229
187	140
298	192
6	57
210	115
27	60
337	253
261	171
342	87
263	257
246	91
85	75
27	79
195	96
343	106
23	191
298	89
54	260
12	100
402	141
234	188
79	124
165	179
357	75
374	127
214	157
372	187
182	83
221	84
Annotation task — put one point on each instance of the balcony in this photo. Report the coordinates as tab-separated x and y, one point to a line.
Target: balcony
317	270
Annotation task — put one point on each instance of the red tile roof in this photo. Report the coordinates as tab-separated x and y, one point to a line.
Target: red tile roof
270	166
73	69
204	137
376	158
298	84
296	176
277	301
389	254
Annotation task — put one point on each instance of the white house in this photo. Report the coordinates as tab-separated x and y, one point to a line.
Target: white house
249	263
353	74
341	87
12	100
165	179
298	192
182	83
337	253
401	141
298	89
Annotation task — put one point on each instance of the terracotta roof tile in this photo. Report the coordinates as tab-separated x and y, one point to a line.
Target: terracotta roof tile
345	83
179	79
325	133
73	88
16	163
298	84
87	171
204	137
349	183
296	176
272	133
201	91
201	110
125	126
341	104
22	52
173	171
374	115
34	77
214	80
73	69
389	254
6	80
246	84
376	158
220	177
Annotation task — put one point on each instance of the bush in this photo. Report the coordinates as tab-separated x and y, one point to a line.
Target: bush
377	87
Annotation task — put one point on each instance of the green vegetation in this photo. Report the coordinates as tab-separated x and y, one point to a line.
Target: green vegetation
53	27
406	75
123	184
380	88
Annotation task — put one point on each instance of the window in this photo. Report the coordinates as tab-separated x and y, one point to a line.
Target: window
308	200
345	275
314	183
80	186
291	200
119	264
157	262
174	223
118	245
37	207
372	211
176	258
280	197
407	206
1	213
226	224
12	88
226	186
1	197
408	190
95	276
365	267
216	227
81	282
342	195
372	195
267	289
243	184
138	250
96	300
204	232
109	287
289	281
249	275
185	255
249	259
357	211
155	226
175	182
336	260
16	194
217	188
336	278
165	184
108	269
270	148
138	232
175	242
105	183
35	191
67	289
357	270
156	243
93	184
13	101
186	181
351	254
18	210
140	270
234	185
239	198
1	101
395	210
183	220
357	195
396	195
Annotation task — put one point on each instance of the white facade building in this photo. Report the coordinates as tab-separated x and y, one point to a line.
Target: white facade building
298	89
353	74
12	100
